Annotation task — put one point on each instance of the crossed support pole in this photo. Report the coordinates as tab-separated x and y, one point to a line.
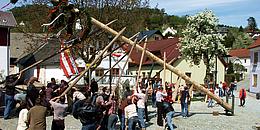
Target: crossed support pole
93	62
161	62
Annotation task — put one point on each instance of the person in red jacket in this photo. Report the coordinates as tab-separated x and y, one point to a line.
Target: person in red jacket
242	96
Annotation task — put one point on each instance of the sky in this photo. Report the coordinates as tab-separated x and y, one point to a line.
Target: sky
229	12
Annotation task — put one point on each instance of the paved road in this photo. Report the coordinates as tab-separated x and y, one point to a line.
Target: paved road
201	118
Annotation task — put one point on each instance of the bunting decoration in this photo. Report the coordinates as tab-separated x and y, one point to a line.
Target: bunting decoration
116	54
67	63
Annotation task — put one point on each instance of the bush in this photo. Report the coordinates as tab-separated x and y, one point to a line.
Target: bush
232	77
229	78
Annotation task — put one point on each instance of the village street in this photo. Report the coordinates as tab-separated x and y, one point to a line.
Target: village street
201	117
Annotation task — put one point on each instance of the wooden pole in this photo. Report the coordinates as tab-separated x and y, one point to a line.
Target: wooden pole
176	88
164	70
119	90
140	66
93	62
122	71
168	66
190	91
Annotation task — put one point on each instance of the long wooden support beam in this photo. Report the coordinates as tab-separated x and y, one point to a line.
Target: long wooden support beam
168	66
137	87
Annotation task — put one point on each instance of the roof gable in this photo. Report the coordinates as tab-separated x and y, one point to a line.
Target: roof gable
7	19
255	44
21	44
158	47
240	53
46	50
148	33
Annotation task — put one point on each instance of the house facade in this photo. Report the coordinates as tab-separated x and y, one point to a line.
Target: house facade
170	46
241	57
7	21
255	67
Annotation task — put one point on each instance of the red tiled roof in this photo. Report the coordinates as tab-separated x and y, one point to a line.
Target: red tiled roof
255	44
158	47
241	53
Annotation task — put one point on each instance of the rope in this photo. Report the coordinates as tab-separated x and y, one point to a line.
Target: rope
6	5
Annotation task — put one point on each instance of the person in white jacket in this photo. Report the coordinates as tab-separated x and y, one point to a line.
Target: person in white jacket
22	120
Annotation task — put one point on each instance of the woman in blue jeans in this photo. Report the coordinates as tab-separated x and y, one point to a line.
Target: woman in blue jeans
11	81
169	113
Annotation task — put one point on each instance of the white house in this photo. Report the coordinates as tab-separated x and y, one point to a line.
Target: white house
7	21
116	71
170	31
242	57
255	67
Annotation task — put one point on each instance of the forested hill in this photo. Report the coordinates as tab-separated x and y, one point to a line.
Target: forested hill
140	18
135	19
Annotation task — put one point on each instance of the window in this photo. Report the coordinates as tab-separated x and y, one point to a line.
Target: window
188	74
156	38
115	71
254	80
245	60
99	72
143	74
3	36
255	57
148	73
157	74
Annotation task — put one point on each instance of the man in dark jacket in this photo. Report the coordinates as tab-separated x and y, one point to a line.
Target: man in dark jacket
32	93
11	81
93	86
89	112
185	97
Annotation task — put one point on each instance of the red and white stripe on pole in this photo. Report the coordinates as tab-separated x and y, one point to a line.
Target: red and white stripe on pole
67	63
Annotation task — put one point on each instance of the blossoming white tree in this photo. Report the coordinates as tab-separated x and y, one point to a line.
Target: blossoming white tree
201	41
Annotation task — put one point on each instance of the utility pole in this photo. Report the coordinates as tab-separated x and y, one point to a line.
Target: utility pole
216	65
110	72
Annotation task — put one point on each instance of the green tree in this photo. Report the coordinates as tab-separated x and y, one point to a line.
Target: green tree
201	41
241	29
229	40
252	26
33	17
230	69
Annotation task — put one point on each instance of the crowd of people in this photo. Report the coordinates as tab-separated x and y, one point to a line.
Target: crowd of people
222	89
99	110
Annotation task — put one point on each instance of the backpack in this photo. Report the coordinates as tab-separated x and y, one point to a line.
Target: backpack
87	111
